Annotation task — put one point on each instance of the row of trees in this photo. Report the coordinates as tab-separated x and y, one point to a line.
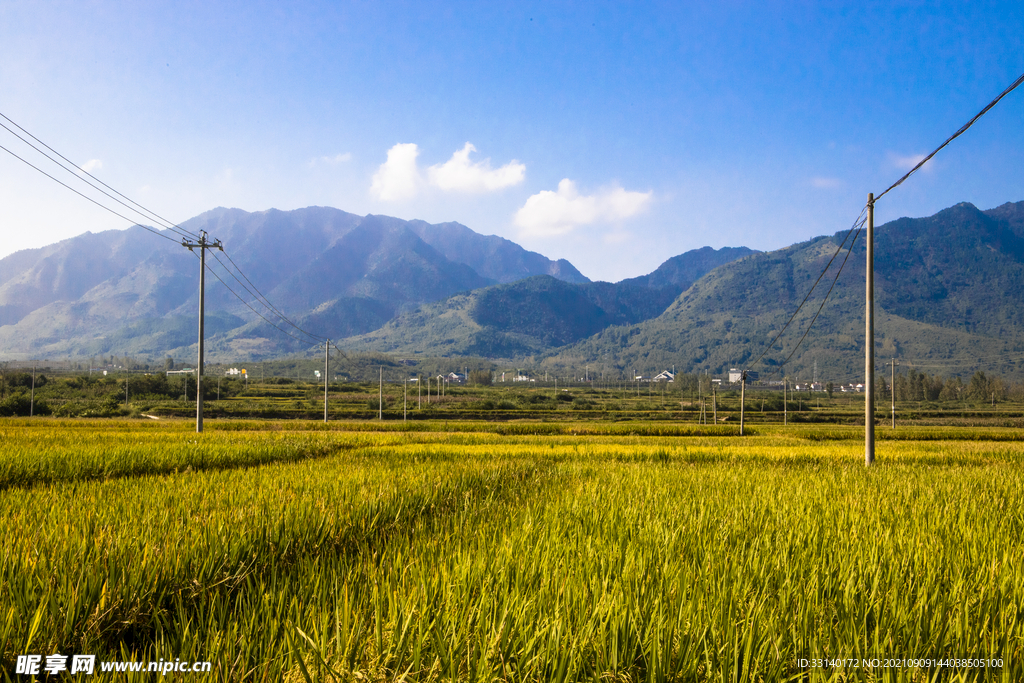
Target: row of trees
915	385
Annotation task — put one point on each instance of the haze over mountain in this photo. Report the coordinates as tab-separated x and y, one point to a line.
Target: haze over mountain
949	292
334	273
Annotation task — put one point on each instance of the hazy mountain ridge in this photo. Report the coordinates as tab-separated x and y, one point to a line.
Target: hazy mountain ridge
336	272
948	286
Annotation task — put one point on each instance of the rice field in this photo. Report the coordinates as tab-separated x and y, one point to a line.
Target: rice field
514	552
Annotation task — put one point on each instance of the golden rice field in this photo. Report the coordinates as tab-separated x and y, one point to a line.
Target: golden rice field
514	552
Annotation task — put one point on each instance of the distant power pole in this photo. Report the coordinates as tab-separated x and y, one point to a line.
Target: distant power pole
327	376
203	244
743	386
869	338
892	389
380	395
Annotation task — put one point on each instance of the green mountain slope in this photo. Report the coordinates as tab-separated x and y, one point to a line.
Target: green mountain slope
536	314
949	287
335	273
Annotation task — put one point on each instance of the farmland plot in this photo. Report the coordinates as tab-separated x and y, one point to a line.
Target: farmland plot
289	551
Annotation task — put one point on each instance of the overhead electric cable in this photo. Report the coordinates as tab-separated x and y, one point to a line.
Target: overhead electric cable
859	222
76	170
856	226
259	296
954	136
829	292
107	208
246	303
147	214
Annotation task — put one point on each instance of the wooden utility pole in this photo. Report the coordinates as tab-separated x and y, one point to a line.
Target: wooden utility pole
743	387
892	389
32	396
203	244
380	395
869	338
327	370
405	401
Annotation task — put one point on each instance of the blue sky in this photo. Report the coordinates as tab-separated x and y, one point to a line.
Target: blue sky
614	135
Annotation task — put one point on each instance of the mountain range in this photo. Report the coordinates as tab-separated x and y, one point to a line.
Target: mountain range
948	295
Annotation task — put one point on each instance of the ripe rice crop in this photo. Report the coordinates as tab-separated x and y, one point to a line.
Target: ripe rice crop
294	553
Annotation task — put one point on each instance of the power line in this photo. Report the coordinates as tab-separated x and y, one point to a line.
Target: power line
106	208
829	292
860	222
857	224
954	136
260	297
77	170
149	215
246	303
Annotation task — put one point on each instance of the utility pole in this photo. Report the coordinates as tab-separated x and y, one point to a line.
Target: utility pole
892	389
785	401
380	395
405	401
714	403
32	396
743	387
203	244
327	377
869	338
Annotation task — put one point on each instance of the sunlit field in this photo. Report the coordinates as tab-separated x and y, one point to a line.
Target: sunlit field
475	551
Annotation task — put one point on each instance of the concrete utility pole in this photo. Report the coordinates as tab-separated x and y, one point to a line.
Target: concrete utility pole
785	401
405	401
892	389
327	370
380	395
32	396
203	244
869	338
743	387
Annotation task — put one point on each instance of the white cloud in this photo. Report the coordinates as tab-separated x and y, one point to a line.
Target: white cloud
91	165
398	178
907	162
459	174
331	161
826	183
550	213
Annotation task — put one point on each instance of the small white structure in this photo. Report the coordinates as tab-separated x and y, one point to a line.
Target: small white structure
666	376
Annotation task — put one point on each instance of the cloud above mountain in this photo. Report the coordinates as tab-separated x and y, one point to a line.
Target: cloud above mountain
400	178
548	214
459	174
